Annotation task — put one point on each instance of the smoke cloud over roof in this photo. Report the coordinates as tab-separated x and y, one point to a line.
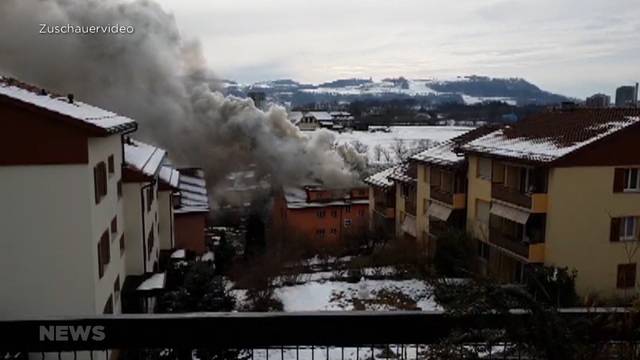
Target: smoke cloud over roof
160	79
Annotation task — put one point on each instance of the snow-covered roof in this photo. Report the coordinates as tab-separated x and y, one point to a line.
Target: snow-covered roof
447	153
85	114
296	198
320	115
169	175
143	157
401	174
193	192
154	282
549	136
381	178
179	254
295	116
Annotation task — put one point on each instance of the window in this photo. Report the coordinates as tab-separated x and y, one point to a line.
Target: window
151	241
100	181
624	229
149	197
114	227
482	211
334	213
320	213
347	222
111	164
116	288
632	180
484	168
108	307
122	245
347	209
626	276
628	229
104	255
334	231
320	233
119	187
483	250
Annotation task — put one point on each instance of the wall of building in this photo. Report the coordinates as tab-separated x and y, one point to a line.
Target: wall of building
46	262
581	196
400	211
110	207
134	208
477	189
422	206
166	225
189	231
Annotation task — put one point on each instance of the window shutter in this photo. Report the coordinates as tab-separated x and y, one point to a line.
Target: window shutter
614	234
96	185
618	180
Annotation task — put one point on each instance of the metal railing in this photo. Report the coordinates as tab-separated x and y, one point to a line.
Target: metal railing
512	196
316	335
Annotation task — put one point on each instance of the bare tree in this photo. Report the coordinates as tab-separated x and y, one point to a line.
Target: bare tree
400	150
360	147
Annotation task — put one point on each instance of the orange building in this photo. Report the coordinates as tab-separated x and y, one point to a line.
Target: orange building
321	216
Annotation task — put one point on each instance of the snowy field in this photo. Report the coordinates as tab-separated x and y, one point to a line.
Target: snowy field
412	137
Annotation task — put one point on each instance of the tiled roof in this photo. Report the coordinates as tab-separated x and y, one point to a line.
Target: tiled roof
551	135
381	178
401	174
85	114
447	153
143	157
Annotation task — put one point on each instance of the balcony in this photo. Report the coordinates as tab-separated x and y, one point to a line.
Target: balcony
534	253
323	335
456	200
536	202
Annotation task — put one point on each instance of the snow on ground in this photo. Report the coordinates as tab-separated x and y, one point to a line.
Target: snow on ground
412	136
372	294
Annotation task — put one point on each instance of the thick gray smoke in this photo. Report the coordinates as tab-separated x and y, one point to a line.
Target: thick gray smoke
160	79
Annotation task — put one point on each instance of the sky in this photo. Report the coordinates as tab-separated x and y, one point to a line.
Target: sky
571	47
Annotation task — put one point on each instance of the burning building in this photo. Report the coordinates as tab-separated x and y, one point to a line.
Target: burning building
320	216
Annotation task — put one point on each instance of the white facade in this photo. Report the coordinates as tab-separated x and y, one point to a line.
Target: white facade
141	259
50	227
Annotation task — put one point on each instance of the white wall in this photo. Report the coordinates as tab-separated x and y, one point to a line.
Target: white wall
133	208
50	227
165	210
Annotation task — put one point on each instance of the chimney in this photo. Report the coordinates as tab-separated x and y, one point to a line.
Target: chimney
70	98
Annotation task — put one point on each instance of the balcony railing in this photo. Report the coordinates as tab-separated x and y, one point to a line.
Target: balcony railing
322	335
513	196
441	195
513	245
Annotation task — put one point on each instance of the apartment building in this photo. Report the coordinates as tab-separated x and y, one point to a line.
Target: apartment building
62	212
167	192
191	211
405	180
382	204
560	188
321	216
441	186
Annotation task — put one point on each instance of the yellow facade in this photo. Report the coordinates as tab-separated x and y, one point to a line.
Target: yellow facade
423	189
581	204
478	189
400	211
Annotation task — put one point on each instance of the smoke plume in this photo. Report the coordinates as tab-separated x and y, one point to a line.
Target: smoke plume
160	79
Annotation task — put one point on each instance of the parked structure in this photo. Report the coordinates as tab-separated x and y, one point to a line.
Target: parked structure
598	101
62	216
312	120
321	216
560	188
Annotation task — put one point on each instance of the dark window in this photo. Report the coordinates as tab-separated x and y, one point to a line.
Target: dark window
334	213
100	181
114	227
112	165
334	231
347	209
119	186
347	222
320	233
626	276
632	179
151	241
108	307
149	197
320	213
104	255
483	250
122	245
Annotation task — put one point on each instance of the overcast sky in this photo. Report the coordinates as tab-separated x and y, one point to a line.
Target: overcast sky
573	47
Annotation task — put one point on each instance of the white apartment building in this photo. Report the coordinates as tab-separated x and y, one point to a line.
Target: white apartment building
62	212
